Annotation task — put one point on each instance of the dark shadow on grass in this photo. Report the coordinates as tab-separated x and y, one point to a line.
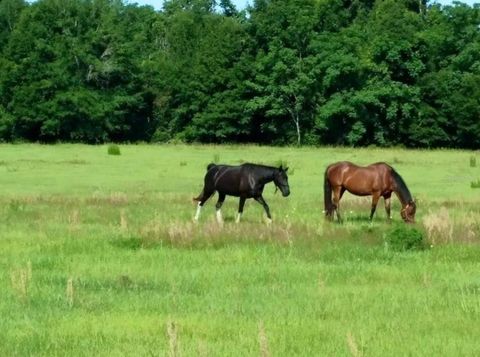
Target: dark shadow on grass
130	243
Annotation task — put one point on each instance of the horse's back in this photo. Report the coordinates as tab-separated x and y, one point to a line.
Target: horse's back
359	180
347	166
224	178
338	169
233	180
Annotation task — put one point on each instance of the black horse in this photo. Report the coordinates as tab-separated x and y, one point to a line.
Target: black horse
244	181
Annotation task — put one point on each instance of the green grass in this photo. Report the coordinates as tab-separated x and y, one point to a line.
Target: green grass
120	227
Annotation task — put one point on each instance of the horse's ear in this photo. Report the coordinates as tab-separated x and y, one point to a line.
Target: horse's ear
286	169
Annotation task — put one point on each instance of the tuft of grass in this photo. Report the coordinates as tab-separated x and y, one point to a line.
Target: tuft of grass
69	292
263	340
173	342
123	220
439	226
216	158
113	149
211	234
21	281
352	345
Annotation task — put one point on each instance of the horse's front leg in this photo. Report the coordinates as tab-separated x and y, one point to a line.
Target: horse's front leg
261	200
240	209
387	199
375	198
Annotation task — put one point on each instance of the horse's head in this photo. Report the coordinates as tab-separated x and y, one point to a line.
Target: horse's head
280	179
408	212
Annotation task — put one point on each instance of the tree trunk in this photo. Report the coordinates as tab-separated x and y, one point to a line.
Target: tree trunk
297	124
296	120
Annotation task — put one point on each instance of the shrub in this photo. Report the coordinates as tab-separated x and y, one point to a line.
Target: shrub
405	238
475	184
113	149
473	161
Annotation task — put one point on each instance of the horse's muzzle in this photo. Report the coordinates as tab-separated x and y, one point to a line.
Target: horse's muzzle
286	193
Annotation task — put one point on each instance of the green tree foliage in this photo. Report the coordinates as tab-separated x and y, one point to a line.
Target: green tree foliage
284	75
349	72
9	12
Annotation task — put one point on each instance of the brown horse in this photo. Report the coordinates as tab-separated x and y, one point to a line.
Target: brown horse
377	180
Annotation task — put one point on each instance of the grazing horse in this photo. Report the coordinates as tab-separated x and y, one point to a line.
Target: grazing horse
244	181
377	180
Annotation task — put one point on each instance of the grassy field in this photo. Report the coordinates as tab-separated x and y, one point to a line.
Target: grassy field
99	256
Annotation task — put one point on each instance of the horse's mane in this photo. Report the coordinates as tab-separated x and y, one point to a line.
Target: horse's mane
402	188
263	171
259	166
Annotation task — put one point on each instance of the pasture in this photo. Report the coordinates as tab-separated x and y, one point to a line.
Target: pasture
99	256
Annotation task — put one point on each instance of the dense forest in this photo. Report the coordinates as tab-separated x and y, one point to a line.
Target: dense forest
314	72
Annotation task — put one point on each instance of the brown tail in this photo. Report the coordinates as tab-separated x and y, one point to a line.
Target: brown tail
327	195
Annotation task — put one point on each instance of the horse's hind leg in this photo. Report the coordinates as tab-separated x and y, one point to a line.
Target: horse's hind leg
337	195
375	198
204	196
241	204
218	206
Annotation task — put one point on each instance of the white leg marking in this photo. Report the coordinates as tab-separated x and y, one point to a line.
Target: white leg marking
197	215
219	217
237	220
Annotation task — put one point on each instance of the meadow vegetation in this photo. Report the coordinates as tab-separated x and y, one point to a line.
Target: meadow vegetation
100	256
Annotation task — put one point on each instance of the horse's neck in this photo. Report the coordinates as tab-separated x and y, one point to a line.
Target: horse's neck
266	176
402	199
401	190
403	196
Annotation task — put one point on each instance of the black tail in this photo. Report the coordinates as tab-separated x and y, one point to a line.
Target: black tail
200	196
327	195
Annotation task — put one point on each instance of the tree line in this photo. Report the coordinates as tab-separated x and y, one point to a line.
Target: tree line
315	72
